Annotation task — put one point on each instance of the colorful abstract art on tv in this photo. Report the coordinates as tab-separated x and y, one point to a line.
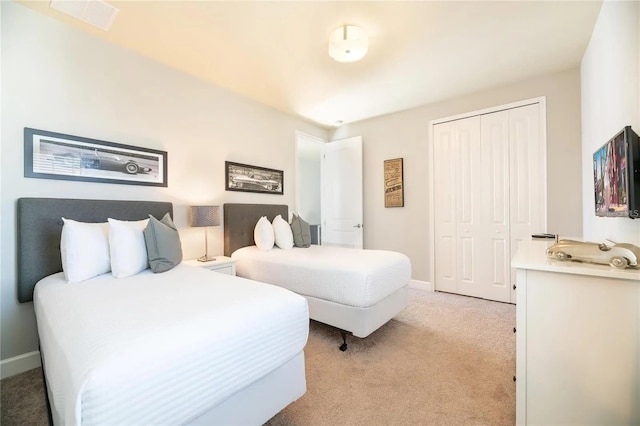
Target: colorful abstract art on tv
616	176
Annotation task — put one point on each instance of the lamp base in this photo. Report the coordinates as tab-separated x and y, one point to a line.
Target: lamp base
206	258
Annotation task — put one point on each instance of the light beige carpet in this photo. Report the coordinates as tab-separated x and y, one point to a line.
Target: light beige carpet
445	360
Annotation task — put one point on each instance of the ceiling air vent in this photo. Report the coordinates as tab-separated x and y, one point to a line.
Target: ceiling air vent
93	12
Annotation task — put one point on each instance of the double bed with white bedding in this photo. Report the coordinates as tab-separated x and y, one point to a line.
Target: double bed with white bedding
354	290
187	346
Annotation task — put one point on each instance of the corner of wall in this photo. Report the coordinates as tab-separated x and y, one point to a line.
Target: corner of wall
421	285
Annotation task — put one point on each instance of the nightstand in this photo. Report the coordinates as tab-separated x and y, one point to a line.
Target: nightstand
222	264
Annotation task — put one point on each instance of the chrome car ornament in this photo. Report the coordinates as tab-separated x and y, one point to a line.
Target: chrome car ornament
618	256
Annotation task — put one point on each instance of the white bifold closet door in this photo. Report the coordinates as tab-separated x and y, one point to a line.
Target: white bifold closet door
487	198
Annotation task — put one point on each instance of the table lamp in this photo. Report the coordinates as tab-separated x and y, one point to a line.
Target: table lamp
204	216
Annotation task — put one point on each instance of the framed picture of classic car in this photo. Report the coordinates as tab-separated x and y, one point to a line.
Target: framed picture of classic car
50	155
243	177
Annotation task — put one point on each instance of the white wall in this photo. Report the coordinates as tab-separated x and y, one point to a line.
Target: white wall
59	79
405	134
610	75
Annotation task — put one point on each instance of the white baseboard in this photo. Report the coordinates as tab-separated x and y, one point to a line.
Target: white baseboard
420	285
19	364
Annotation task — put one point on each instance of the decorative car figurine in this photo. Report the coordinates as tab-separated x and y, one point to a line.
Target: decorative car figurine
618	256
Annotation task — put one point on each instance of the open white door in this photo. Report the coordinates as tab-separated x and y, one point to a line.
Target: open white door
341	193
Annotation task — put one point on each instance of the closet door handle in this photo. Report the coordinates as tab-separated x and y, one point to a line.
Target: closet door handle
357	226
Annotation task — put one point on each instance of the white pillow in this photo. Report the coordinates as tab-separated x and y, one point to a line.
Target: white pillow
283	234
84	248
127	247
263	234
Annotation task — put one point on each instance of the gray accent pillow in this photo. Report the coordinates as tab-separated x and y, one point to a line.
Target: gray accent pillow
301	232
163	244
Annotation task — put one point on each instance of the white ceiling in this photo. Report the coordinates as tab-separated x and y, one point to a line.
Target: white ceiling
419	52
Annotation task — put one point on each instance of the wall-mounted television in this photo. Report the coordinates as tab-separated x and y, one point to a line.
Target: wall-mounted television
616	176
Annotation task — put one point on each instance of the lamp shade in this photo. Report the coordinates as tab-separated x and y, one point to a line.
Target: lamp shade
348	44
205	216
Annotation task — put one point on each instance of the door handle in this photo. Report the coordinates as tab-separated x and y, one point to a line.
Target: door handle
358	226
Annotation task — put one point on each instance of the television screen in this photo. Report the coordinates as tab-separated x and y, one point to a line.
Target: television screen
614	175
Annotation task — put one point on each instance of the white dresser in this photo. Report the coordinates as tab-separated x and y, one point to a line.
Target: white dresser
577	344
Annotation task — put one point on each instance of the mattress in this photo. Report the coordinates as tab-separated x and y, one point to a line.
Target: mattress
352	277
160	348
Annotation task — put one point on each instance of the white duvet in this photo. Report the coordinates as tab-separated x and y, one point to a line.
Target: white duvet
352	277
160	348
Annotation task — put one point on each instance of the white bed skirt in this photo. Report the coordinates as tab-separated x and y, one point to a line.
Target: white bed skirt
359	321
261	400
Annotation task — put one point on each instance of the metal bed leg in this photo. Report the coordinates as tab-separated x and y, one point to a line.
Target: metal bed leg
343	347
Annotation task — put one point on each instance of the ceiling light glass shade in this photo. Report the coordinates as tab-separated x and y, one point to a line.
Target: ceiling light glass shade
348	44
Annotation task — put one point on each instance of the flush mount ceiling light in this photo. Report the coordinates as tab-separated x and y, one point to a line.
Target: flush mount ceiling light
93	12
348	44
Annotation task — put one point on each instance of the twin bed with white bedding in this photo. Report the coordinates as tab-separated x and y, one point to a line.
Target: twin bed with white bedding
356	291
187	346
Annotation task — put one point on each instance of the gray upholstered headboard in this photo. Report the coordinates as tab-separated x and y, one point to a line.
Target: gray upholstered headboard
241	219
40	226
